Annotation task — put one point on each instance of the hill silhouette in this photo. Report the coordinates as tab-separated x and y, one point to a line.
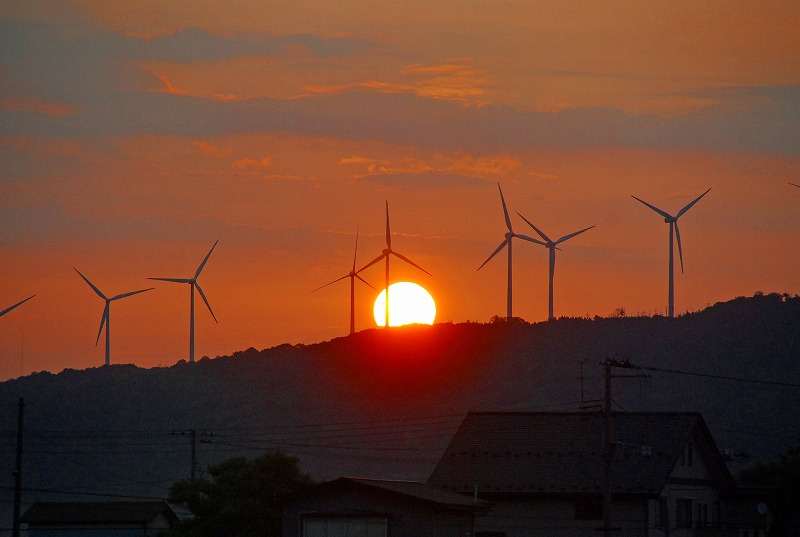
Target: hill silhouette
384	403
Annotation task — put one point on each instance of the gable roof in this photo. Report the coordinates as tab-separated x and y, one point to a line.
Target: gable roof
413	490
561	452
128	512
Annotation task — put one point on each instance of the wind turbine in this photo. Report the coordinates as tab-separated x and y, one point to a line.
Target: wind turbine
192	285
352	275
507	242
673	230
106	320
552	246
387	253
15	305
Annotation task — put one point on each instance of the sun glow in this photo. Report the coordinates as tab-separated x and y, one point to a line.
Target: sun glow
409	303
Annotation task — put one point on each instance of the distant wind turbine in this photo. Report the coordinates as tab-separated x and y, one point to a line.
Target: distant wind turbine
106	320
352	275
507	242
552	246
387	253
673	230
15	305
192	285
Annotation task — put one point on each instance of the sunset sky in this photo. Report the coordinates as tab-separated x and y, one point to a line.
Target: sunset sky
136	134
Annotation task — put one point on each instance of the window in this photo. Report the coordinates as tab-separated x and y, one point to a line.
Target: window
661	513
344	526
683	512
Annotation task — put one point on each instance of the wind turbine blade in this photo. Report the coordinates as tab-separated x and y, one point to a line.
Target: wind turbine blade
102	323
15	305
203	264
505	209
372	262
355	252
680	251
93	286
656	209
365	281
529	239
331	283
123	295
536	229
567	237
502	245
173	280
388	232
203	295
692	203
407	260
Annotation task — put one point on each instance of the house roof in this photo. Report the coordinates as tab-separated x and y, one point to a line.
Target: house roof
561	452
128	512
409	489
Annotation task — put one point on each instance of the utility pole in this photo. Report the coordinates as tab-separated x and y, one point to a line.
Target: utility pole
18	470
192	434
609	444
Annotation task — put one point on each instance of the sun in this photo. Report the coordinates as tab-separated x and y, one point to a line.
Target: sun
409	303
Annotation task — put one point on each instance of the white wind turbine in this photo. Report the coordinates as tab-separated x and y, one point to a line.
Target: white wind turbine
192	285
673	230
387	253
21	302
552	246
106	320
352	275
507	242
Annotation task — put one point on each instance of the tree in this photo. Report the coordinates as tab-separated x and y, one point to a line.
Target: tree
783	477
240	497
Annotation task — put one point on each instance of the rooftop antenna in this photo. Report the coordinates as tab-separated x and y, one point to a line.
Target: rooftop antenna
352	275
192	285
507	242
673	231
106	320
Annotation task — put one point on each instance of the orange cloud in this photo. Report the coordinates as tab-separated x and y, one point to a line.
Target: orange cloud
246	163
211	150
22	104
168	87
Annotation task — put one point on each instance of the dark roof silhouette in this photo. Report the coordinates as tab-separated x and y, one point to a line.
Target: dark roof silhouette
561	452
128	512
413	490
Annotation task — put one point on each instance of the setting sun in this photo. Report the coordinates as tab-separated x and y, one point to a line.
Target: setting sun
408	303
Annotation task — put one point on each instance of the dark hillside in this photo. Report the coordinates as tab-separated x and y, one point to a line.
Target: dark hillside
384	403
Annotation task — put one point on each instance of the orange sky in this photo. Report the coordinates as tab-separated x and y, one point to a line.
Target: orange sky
133	136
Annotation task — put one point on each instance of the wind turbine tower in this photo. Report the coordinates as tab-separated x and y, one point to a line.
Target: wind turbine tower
674	231
510	234
552	246
192	285
352	275
106	320
387	253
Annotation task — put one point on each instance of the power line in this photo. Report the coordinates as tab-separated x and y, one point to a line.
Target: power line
718	377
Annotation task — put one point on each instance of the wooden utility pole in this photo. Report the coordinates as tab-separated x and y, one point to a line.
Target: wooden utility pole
18	470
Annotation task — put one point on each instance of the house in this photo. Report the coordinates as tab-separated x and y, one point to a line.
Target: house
348	507
99	519
543	472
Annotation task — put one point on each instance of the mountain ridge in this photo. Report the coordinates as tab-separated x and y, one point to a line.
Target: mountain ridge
384	403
